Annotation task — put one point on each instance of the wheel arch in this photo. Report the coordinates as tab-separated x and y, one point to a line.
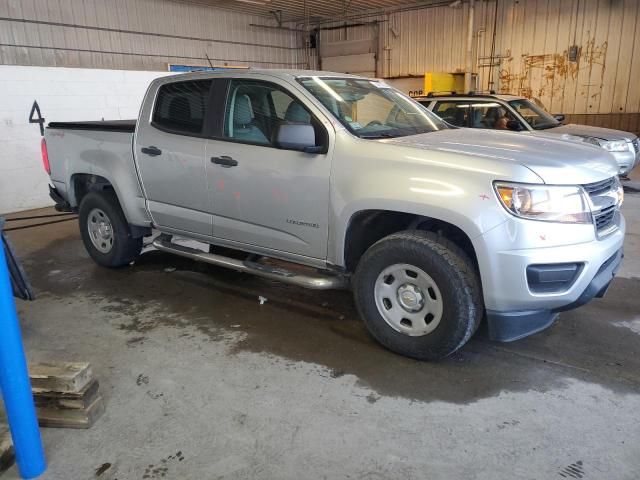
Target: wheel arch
366	227
83	183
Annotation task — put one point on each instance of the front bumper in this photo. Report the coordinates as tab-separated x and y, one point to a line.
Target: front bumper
514	307
626	161
510	326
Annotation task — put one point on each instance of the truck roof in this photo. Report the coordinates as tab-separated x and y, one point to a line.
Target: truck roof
468	96
282	73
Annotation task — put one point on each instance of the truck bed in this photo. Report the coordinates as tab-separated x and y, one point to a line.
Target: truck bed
101	149
128	126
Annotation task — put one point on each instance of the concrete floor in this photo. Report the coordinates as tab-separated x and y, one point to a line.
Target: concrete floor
203	382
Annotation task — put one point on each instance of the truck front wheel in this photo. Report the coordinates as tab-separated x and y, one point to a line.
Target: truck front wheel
418	294
105	231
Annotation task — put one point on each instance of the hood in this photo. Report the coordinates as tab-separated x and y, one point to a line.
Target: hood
589	131
554	161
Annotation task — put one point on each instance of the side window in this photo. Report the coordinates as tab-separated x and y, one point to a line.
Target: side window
180	106
491	115
281	102
454	113
255	109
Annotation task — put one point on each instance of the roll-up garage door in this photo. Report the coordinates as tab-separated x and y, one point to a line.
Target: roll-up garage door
356	55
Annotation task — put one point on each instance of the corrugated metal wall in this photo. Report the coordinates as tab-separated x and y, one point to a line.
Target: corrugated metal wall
429	40
530	56
137	35
411	42
533	40
531	52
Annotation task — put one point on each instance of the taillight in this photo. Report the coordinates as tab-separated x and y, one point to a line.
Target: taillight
45	156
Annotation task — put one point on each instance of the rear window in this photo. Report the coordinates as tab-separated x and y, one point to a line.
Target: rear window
180	106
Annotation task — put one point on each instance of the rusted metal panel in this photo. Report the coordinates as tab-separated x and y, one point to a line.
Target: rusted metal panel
531	53
533	42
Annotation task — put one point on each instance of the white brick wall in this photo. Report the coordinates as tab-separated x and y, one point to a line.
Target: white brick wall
64	94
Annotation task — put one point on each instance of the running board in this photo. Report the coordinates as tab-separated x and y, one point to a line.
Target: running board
319	282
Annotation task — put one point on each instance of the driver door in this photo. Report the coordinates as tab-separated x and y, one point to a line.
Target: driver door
261	195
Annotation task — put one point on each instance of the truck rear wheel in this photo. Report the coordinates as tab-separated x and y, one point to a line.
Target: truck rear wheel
418	294
105	231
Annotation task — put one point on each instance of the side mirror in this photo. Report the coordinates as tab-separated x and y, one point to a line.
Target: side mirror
559	117
514	125
296	136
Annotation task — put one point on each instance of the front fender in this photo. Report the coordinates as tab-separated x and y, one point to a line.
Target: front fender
453	188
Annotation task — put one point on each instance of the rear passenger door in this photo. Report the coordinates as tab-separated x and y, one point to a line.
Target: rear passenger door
262	195
170	153
456	113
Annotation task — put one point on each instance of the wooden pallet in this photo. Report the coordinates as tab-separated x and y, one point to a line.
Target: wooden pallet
65	394
78	400
71	417
63	377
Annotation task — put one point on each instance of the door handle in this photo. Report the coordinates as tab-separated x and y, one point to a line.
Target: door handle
151	151
224	161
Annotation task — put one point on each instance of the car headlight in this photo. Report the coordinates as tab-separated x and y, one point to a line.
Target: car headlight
619	191
547	203
615	145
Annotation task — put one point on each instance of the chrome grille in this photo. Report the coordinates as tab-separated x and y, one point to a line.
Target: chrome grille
604	204
598	188
605	217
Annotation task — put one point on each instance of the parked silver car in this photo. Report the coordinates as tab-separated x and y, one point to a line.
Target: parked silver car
510	112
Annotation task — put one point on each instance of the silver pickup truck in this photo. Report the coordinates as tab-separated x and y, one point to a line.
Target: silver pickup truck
433	227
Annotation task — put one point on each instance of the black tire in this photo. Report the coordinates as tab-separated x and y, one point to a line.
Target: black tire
125	248
452	271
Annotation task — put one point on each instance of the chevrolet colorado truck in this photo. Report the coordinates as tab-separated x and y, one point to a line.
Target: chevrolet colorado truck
433	228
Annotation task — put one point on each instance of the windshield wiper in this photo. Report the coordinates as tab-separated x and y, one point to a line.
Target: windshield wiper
377	135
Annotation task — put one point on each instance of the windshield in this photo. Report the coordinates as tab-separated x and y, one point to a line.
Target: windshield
536	116
372	109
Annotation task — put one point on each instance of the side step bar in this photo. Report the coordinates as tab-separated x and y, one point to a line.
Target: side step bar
318	282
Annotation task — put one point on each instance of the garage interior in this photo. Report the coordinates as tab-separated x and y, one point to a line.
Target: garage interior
210	373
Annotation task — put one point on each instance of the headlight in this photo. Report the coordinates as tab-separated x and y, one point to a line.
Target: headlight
615	145
619	191
544	202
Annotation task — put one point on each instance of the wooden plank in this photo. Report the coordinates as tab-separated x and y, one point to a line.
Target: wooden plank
71	418
7	457
60	377
81	400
